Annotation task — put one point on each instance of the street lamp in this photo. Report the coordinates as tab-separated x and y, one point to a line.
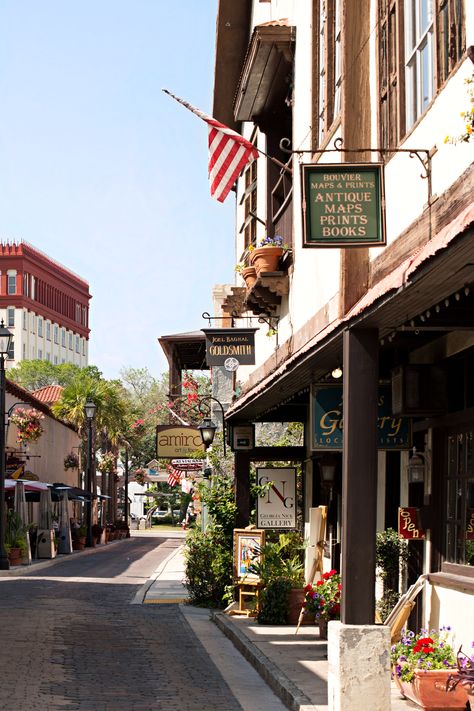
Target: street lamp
90	410
125	502
5	342
208	429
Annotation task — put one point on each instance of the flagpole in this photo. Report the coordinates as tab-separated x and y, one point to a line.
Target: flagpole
275	160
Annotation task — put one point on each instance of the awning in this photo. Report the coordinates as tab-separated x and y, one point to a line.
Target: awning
429	275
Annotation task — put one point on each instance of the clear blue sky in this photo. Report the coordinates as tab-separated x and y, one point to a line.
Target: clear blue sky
108	175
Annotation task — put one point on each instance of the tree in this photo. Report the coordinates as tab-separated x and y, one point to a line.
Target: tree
35	374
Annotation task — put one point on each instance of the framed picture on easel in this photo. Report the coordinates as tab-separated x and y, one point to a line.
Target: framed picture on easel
247	546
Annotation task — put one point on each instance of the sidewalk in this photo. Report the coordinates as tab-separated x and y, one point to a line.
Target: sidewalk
293	665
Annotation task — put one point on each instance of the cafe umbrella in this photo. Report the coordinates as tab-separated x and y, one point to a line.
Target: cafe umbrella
21	508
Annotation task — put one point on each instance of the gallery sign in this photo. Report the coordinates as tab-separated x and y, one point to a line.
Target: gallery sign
277	507
343	205
177	441
223	344
394	432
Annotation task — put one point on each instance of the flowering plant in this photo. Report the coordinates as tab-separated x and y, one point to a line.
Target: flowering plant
140	476
71	461
28	423
467	116
422	651
324	598
106	464
275	241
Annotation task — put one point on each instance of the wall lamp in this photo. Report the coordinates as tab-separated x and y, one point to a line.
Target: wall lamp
207	428
416	468
327	470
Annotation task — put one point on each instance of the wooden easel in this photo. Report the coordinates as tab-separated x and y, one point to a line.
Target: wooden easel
316	569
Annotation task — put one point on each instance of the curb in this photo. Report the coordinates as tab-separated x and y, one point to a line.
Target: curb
284	688
139	597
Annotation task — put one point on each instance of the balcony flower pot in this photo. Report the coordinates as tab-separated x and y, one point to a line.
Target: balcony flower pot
428	690
249	275
266	259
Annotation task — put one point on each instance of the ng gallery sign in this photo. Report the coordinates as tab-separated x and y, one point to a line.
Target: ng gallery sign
276	508
177	442
238	343
343	205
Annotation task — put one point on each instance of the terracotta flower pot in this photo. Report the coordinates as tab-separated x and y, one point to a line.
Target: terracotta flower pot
428	690
14	556
266	259
249	275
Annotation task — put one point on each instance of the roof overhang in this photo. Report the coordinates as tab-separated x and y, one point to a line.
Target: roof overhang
426	278
232	36
185	351
264	81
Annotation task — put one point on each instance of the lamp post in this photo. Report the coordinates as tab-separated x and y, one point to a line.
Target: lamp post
125	502
90	410
5	341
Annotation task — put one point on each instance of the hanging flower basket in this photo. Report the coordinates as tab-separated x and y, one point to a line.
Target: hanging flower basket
107	463
71	461
28	424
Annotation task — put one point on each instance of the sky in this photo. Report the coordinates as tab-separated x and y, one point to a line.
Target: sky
105	173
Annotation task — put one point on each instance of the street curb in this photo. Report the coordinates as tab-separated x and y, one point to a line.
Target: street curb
139	597
284	688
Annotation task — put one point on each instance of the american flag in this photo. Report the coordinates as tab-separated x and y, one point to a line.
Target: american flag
229	152
173	476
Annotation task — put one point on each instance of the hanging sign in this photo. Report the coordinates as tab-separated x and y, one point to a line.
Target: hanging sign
242	437
394	432
343	205
225	344
408	526
180	441
277	507
470	525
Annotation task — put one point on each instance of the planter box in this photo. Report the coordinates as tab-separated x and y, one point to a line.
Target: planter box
428	690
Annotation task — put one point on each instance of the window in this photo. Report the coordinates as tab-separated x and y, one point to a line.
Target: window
10	317
11	284
250	204
329	65
84	347
40	327
410	71
63	337
48	330
40	354
24	351
11	351
459	543
77	344
48	357
70	341
25	320
56	334
55	360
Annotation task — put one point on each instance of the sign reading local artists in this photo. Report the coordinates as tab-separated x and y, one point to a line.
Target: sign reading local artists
277	507
394	432
225	343
177	441
343	205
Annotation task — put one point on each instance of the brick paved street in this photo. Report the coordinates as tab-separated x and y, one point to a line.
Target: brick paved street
70	639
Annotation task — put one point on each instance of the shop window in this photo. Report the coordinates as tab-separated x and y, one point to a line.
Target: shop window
459	523
410	68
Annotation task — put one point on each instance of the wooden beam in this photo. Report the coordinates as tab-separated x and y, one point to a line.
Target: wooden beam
359	475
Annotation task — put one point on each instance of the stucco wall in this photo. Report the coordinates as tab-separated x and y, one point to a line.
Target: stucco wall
454	608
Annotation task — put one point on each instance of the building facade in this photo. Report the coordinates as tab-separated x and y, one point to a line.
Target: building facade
45	305
342	87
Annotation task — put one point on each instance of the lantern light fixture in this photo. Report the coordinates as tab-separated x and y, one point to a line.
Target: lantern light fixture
416	468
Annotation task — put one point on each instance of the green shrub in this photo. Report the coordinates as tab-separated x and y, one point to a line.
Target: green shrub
274	603
208	566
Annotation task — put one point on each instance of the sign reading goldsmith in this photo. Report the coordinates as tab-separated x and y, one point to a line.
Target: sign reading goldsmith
177	442
222	344
277	507
343	205
394	432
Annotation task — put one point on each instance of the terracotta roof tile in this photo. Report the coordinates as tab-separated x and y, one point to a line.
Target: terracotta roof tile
49	393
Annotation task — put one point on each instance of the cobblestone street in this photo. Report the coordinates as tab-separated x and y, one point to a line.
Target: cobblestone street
71	639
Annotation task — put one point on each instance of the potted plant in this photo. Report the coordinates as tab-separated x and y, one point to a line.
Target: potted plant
71	461
15	538
266	256
323	598
28	424
79	538
248	273
422	664
97	532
